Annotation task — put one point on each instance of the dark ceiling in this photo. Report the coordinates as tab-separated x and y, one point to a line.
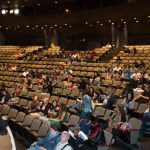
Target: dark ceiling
39	7
85	19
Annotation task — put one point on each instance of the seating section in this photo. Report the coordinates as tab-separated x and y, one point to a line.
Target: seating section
13	64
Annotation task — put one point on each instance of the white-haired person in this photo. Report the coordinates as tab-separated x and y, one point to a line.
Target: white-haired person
63	144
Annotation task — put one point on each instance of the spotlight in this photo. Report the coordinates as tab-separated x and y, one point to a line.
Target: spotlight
11	11
16	11
3	11
67	10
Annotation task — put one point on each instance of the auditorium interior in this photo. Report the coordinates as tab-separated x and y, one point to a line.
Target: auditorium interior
74	74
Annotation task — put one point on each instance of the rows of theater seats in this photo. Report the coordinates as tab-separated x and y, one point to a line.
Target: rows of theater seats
142	53
80	70
31	128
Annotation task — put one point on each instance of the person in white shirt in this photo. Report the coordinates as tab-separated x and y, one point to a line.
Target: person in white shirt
63	144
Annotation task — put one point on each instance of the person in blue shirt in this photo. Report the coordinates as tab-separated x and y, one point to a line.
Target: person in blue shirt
47	143
86	106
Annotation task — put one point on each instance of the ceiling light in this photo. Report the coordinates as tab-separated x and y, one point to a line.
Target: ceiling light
3	12
56	2
135	18
11	11
90	25
36	26
124	22
56	25
101	24
38	4
137	21
109	20
97	22
67	10
112	23
16	11
0	26
27	26
86	22
65	24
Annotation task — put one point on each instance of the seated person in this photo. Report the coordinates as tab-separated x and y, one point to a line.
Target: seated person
35	104
47	143
13	100
78	138
44	106
5	97
60	117
63	144
54	109
110	99
145	127
145	96
85	125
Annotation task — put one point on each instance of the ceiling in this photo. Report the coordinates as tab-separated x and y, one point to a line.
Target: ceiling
85	19
39	7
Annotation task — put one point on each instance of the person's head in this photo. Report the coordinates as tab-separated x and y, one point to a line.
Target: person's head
64	136
146	87
5	93
75	129
46	100
111	90
54	103
35	98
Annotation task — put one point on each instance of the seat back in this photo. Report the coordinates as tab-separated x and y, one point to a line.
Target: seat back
28	120
20	116
5	110
108	137
135	123
73	120
12	113
43	130
99	111
35	124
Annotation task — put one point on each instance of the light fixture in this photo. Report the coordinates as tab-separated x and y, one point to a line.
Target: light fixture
38	4
109	20
11	11
112	23
56	2
135	18
65	24
137	21
97	22
91	25
56	25
67	10
16	11
86	22
101	24
124	22
3	11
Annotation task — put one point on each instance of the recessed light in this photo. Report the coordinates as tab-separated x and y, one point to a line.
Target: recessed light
65	24
101	24
38	4
109	20
56	2
91	25
97	22
124	22
134	18
56	25
86	22
137	21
